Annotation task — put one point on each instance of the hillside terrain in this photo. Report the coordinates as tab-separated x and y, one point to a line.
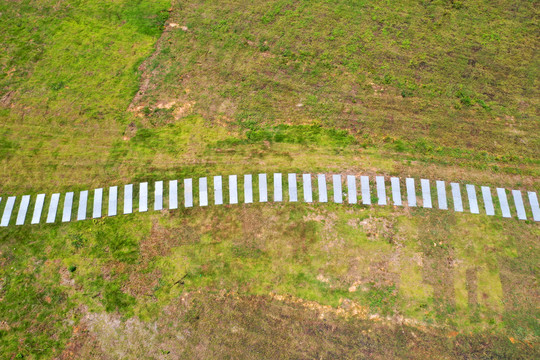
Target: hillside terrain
95	94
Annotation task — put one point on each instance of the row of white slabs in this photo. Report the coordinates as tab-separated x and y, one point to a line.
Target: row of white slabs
338	196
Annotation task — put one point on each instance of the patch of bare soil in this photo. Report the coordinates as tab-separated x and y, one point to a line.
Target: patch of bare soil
140	104
217	324
159	243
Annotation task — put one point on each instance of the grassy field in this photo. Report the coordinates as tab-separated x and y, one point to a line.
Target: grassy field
106	93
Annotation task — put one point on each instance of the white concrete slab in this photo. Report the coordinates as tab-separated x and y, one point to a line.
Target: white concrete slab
98	203
351	189
68	204
158	195
456	196
233	189
396	191
173	194
520	209
533	200
503	201
473	202
426	193
411	192
293	188
128	199
188	193
113	201
381	190
364	188
278	190
143	197
8	210
488	201
323	194
338	192
83	203
308	192
203	192
441	195
263	188
53	207
218	190
248	189
23	209
38	209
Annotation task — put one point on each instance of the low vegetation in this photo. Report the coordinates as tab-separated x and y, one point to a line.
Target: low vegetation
100	94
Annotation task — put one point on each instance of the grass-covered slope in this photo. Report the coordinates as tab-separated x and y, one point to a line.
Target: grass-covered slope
451	80
68	70
95	94
199	283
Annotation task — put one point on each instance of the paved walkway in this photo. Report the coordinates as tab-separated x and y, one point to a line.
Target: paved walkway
380	191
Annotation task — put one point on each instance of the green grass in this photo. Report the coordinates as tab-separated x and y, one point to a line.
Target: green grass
430	74
66	77
138	265
89	97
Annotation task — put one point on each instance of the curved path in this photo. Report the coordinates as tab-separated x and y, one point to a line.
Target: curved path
380	191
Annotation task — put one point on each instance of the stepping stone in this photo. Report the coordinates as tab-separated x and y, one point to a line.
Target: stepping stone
248	189
38	209
426	193
218	190
364	185
203	192
321	182
188	193
173	194
53	207
158	195
503	201
83	201
293	191
233	189
441	195
520	209
488	201
411	193
278	192
308	194
128	199
68	204
263	188
23	209
456	195
7	211
98	198
143	197
351	189
113	201
396	191
473	203
381	190
338	194
533	200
